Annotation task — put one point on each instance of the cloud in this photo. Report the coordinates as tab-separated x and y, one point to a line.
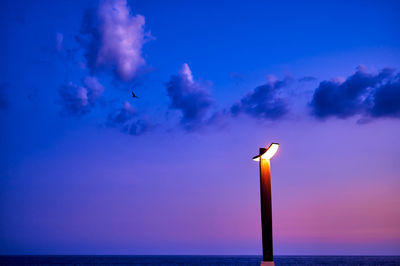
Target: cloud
113	38
386	99
189	96
264	101
369	94
126	113
78	100
128	121
307	79
236	77
95	89
59	41
342	98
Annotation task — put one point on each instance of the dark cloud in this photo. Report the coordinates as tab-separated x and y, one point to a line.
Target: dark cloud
113	38
386	99
140	127
264	101
78	100
307	79
129	121
361	93
189	96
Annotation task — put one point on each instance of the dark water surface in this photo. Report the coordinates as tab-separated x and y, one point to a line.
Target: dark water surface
197	260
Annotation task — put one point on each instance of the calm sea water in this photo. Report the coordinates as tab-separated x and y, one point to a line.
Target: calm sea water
197	260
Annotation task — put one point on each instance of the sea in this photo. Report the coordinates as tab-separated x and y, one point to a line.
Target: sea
197	260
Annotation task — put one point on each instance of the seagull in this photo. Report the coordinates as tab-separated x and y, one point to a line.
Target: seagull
133	95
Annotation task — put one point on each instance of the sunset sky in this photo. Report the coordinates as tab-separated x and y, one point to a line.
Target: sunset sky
87	169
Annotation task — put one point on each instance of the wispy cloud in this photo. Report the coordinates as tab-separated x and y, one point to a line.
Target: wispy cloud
189	96
236	77
79	99
59	41
264	101
368	94
128	121
307	79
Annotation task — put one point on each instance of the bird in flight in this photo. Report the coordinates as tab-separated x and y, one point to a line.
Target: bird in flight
134	95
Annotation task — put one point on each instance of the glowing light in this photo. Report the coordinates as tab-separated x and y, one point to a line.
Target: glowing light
269	153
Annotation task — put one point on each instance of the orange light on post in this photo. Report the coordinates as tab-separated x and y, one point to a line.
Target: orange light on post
265	198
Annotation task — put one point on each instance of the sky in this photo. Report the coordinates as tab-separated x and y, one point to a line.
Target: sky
87	169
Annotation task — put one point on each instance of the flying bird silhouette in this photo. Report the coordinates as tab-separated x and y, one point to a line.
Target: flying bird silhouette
134	95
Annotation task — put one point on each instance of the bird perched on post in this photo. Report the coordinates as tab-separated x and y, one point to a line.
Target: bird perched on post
134	95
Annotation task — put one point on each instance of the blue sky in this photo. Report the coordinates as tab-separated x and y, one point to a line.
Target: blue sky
86	169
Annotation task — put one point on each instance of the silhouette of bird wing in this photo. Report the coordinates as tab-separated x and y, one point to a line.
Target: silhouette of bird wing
133	95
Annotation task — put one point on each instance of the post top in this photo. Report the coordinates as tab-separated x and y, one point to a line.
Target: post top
267	153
